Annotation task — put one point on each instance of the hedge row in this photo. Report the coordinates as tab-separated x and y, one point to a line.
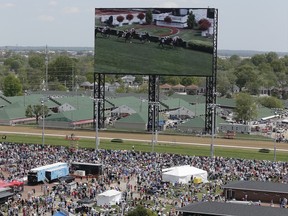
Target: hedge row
200	46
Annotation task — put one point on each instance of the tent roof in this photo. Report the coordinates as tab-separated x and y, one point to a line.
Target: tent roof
110	193
123	109
183	171
59	213
182	111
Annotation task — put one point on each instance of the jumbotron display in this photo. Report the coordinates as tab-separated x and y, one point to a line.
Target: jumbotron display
147	41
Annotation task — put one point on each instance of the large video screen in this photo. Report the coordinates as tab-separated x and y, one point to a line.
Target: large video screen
147	41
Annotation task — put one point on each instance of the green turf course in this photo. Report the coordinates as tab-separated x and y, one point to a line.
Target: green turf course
114	56
146	147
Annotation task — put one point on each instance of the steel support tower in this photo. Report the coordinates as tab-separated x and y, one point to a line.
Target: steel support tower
153	103
99	98
211	82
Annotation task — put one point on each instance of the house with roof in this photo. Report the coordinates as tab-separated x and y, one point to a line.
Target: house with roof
265	91
192	89
128	79
87	85
178	88
165	88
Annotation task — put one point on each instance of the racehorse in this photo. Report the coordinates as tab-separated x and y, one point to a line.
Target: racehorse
127	35
105	32
166	41
144	37
177	41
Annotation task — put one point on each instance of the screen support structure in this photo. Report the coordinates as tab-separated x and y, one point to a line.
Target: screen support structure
153	108
99	98
211	83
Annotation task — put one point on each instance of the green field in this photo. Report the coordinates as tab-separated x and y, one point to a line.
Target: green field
146	147
114	56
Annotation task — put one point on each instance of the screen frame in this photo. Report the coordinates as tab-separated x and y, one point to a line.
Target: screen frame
209	66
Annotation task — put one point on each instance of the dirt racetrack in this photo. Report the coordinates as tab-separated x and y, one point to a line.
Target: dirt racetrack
184	139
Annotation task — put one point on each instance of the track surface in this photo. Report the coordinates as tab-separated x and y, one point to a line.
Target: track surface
175	139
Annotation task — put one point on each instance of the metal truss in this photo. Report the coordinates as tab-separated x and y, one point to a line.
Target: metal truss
211	83
99	100
153	103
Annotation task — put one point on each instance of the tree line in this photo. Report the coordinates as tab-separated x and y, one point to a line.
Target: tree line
237	77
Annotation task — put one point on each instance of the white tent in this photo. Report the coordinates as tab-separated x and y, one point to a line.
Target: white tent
109	197
183	174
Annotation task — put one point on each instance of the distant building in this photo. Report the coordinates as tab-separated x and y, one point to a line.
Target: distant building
165	88
128	79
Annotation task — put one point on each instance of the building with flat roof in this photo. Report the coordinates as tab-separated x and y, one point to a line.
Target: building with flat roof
255	191
229	209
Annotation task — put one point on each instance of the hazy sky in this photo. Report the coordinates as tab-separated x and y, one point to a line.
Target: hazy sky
243	24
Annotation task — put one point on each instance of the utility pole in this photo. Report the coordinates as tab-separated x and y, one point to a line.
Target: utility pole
213	111
96	101
155	105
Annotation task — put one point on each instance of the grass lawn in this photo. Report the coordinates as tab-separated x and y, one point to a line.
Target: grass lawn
115	56
146	147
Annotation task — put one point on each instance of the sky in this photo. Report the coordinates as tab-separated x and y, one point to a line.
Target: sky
259	25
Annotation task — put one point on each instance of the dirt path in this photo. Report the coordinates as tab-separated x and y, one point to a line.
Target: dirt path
185	139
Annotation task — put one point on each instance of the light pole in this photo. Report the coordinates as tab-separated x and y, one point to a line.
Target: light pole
43	123
275	146
213	107
25	92
277	137
153	126
154	129
212	132
96	101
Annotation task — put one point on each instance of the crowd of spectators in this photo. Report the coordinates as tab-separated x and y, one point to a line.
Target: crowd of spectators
137	174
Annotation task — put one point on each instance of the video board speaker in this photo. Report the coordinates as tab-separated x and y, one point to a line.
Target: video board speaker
210	13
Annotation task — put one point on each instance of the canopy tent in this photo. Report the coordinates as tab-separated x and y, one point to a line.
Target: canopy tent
109	197
183	174
182	113
15	185
60	214
63	212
